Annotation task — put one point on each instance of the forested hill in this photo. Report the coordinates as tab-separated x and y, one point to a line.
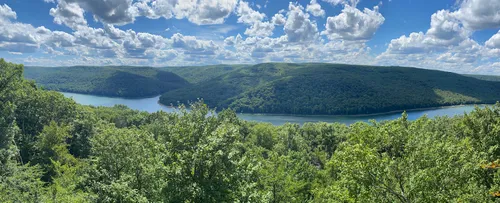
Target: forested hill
335	89
107	81
196	74
54	150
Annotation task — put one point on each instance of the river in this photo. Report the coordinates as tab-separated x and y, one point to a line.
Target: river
152	105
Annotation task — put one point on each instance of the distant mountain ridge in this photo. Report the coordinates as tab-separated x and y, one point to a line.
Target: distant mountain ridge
335	89
107	81
196	74
285	88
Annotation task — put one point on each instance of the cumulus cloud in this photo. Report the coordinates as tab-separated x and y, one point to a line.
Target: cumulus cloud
248	15
353	24
446	29
262	29
94	38
298	26
445	45
232	40
201	12
278	19
352	3
69	14
494	41
19	37
60	39
109	11
479	14
121	12
414	43
193	46
253	18
207	11
315	9
6	12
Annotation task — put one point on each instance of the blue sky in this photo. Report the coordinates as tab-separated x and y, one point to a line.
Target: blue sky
452	35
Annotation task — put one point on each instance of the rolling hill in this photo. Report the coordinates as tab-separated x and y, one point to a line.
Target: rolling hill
196	74
335	89
107	81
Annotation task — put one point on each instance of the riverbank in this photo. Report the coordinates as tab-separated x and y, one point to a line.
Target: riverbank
152	105
297	115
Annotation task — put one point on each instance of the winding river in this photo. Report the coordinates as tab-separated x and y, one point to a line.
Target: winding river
152	105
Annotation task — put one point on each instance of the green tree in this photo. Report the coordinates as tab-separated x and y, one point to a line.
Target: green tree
126	166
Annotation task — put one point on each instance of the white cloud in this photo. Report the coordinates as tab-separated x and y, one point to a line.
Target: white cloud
352	3
315	9
114	33
232	40
298	26
60	39
193	46
446	45
69	14
352	24
479	14
414	43
494	41
121	12
492	68
94	38
109	11
263	29
18	47
204	12
201	12
445	32
253	18
247	15
6	12
19	37
278	19
446	29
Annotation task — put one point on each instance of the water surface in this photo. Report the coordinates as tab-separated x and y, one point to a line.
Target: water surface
152	105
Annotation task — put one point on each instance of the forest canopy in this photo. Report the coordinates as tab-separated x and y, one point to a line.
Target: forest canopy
117	81
54	150
283	88
334	89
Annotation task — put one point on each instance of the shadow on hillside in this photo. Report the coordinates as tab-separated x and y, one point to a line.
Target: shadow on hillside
336	89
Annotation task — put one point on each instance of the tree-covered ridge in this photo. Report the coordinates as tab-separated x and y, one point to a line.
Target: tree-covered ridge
335	89
486	77
54	150
106	81
197	74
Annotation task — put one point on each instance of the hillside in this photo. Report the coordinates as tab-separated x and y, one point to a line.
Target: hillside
55	150
486	77
335	89
196	74
107	81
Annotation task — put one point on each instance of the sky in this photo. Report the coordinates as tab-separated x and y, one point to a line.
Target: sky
452	35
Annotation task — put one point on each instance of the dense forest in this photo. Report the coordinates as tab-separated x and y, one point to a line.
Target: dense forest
197	74
286	88
335	89
119	81
54	150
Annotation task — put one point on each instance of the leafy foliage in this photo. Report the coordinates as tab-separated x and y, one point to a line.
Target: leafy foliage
334	89
74	153
107	81
197	74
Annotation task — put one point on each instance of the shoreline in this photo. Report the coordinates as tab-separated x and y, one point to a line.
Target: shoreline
115	97
371	114
296	115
